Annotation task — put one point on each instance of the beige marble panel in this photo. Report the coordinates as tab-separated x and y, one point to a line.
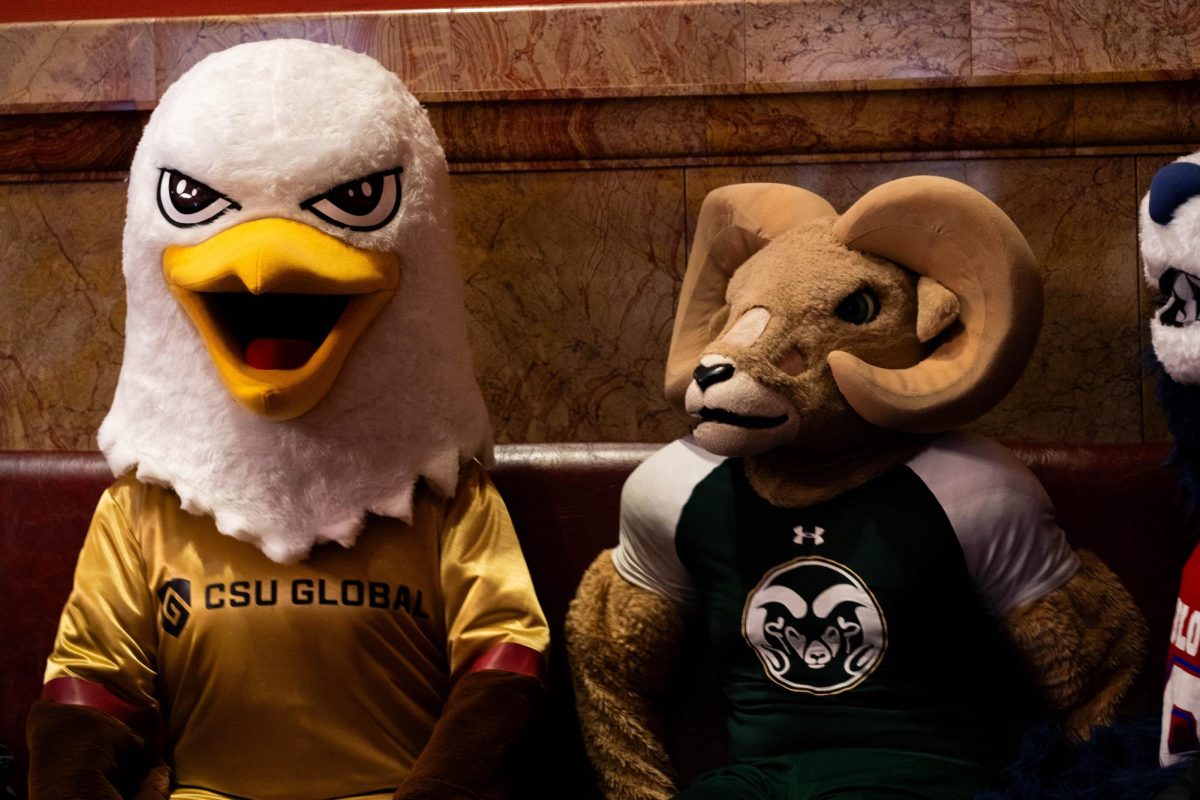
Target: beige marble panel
89	62
1154	420
819	40
1075	36
571	286
62	311
1084	381
614	45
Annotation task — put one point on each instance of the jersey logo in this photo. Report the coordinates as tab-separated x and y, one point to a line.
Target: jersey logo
815	626
816	536
176	597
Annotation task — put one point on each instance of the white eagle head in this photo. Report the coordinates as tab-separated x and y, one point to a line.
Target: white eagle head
295	345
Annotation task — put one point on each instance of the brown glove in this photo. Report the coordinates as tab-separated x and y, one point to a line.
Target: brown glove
623	642
1084	644
77	752
469	755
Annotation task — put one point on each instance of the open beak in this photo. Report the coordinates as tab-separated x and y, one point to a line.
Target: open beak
279	305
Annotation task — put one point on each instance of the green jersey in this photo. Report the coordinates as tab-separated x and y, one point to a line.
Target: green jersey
868	621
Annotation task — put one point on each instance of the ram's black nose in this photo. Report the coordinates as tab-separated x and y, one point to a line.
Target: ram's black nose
707	376
1171	187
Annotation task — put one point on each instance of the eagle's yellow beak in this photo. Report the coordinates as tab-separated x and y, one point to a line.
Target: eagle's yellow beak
279	305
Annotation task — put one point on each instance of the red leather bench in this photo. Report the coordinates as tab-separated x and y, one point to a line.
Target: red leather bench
1117	500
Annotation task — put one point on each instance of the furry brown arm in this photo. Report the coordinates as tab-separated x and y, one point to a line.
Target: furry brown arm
623	642
1084	643
78	752
468	755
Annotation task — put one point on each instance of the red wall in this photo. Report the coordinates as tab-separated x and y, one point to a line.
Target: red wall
39	10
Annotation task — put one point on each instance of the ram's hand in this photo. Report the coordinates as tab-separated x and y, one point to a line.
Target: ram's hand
1084	643
76	751
623	642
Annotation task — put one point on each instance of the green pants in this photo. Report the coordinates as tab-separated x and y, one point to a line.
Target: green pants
828	774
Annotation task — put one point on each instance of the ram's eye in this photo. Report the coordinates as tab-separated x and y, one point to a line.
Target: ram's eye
363	204
185	201
859	308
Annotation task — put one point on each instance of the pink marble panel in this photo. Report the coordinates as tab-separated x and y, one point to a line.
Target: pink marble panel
821	40
181	43
614	45
1060	37
62	311
93	62
414	45
571	287
1084	381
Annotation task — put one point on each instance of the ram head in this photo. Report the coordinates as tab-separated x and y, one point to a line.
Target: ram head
915	311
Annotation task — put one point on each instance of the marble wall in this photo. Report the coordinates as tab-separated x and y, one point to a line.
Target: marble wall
572	278
582	141
663	47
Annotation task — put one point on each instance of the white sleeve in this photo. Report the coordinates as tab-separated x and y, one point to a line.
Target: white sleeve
1014	550
652	501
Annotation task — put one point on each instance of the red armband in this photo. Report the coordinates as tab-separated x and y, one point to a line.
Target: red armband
511	657
78	692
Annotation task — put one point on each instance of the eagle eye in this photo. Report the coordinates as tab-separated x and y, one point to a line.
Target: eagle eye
185	201
363	204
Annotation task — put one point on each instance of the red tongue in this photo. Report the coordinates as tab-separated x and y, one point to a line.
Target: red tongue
278	353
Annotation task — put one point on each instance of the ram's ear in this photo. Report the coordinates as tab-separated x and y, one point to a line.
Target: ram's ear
937	308
735	223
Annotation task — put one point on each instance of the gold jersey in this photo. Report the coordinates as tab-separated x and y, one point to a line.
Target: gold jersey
304	681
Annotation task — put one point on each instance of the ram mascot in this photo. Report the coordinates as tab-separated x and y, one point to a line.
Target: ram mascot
864	573
302	584
1170	246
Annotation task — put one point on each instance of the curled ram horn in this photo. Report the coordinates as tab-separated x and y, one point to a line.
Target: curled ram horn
944	230
735	222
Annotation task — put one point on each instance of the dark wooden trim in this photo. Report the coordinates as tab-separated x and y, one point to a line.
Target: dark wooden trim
599	133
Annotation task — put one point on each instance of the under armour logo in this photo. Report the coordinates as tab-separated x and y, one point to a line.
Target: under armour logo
816	536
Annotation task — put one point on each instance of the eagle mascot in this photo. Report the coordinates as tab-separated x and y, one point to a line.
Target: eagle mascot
302	584
869	580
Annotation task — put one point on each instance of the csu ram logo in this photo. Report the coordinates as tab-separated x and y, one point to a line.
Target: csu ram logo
815	626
